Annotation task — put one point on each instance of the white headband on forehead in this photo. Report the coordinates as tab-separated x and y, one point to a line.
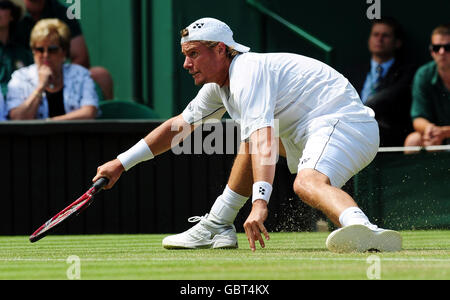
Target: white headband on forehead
210	29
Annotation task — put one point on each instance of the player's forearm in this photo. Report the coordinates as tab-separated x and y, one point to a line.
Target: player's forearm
156	142
263	151
262	171
264	155
168	135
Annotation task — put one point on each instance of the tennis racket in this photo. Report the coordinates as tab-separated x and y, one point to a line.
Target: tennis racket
70	211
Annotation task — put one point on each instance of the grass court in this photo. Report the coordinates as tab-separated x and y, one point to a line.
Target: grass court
287	256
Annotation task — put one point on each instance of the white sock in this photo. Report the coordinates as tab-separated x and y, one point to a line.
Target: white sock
353	215
226	207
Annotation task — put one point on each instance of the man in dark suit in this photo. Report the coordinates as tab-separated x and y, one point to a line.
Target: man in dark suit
384	83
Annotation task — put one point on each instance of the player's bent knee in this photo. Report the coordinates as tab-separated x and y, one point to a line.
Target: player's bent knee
307	182
299	188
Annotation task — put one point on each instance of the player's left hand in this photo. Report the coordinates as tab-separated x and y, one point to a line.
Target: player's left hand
254	225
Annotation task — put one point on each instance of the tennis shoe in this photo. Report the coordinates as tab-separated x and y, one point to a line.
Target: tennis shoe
363	238
206	234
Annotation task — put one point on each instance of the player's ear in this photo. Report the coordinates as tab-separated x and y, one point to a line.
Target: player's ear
221	48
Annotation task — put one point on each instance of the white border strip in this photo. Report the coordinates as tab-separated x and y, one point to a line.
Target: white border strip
418	148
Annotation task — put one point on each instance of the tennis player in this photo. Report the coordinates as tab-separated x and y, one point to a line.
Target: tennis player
286	104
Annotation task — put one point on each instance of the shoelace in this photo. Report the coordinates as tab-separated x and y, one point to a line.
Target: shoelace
371	226
198	231
197	218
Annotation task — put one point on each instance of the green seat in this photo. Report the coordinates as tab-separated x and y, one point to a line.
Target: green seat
122	109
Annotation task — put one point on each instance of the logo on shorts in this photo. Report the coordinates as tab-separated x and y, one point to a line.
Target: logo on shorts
305	160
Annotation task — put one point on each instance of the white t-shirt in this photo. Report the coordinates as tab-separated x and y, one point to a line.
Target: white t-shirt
290	88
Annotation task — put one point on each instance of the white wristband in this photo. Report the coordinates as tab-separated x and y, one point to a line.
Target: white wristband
261	190
136	154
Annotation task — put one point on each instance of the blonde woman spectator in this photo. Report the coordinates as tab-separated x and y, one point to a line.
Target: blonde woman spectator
36	10
51	88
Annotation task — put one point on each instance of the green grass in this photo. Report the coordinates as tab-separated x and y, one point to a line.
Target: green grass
426	255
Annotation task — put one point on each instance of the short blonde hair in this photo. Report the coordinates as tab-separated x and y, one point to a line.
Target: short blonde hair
51	28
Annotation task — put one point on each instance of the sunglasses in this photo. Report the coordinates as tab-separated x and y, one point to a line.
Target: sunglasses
50	49
437	48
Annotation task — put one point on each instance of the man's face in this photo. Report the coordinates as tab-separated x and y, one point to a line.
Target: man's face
35	6
205	64
382	41
441	57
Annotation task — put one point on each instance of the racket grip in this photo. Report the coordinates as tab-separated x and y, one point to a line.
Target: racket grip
99	184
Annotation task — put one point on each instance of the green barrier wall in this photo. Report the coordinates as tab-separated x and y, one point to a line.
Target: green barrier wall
406	191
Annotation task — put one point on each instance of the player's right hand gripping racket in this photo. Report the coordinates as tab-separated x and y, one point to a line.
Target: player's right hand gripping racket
70	211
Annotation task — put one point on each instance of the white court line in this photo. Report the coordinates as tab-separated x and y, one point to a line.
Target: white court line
246	259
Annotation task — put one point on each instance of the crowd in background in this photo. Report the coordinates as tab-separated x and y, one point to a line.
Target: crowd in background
45	73
411	103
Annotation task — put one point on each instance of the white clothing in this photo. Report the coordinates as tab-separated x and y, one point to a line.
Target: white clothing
335	148
301	93
79	89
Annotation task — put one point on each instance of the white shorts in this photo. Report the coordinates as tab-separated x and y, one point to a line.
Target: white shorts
335	148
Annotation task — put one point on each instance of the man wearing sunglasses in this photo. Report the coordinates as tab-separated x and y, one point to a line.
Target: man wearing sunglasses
430	109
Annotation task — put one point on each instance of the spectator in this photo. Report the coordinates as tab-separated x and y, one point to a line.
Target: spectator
42	9
12	55
51	88
430	109
384	83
